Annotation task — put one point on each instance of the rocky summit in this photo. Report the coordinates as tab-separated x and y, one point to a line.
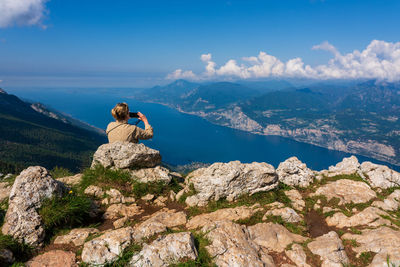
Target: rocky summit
128	210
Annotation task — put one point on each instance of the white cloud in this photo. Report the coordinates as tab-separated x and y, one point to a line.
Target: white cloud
180	74
379	60
21	12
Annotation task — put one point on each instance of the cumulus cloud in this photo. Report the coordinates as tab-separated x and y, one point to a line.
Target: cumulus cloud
379	60
180	74
21	12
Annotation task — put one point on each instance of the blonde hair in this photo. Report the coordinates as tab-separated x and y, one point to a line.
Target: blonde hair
120	111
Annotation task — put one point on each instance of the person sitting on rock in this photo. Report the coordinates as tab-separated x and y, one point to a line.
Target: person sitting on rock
120	130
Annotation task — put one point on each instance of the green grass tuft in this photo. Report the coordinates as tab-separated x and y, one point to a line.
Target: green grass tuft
21	252
59	172
105	178
64	212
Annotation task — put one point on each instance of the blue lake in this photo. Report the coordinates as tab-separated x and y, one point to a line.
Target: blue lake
183	138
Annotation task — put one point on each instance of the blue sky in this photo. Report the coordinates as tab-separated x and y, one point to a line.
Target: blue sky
139	43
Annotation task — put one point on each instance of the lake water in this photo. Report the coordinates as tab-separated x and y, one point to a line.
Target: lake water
183	138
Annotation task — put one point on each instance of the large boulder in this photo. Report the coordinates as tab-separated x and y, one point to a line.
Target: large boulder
230	180
347	166
231	214
370	216
331	250
384	241
166	250
295	173
107	247
231	245
30	189
380	175
346	191
126	155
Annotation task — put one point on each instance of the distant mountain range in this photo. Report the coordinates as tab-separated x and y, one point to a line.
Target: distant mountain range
361	118
32	134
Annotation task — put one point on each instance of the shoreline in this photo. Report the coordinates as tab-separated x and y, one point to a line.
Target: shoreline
263	134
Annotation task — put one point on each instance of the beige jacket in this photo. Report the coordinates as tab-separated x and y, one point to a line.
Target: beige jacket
117	131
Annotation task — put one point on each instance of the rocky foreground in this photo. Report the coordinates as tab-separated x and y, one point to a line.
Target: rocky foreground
228	214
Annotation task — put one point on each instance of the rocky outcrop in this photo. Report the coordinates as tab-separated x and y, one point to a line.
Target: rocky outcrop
126	155
346	191
331	250
347	166
158	223
295	197
30	189
231	245
297	255
116	211
287	214
53	258
166	250
370	216
231	214
380	175
230	180
390	203
293	172
76	237
155	174
107	247
274	237
383	241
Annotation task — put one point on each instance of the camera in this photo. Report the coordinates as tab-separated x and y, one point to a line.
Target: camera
133	115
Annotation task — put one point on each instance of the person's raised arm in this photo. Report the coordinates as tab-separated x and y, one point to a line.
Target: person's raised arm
147	133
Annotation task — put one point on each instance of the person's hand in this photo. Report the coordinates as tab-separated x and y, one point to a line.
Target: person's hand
142	117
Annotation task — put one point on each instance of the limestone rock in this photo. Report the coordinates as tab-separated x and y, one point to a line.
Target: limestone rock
148	197
275	237
383	241
391	203
348	165
120	222
75	236
5	190
53	258
155	174
380	175
297	201
297	255
30	189
160	201
125	155
71	180
114	197
331	250
116	211
230	180
166	250
231	245
94	190
370	216
158	223
107	247
287	214
347	191
231	214
293	172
